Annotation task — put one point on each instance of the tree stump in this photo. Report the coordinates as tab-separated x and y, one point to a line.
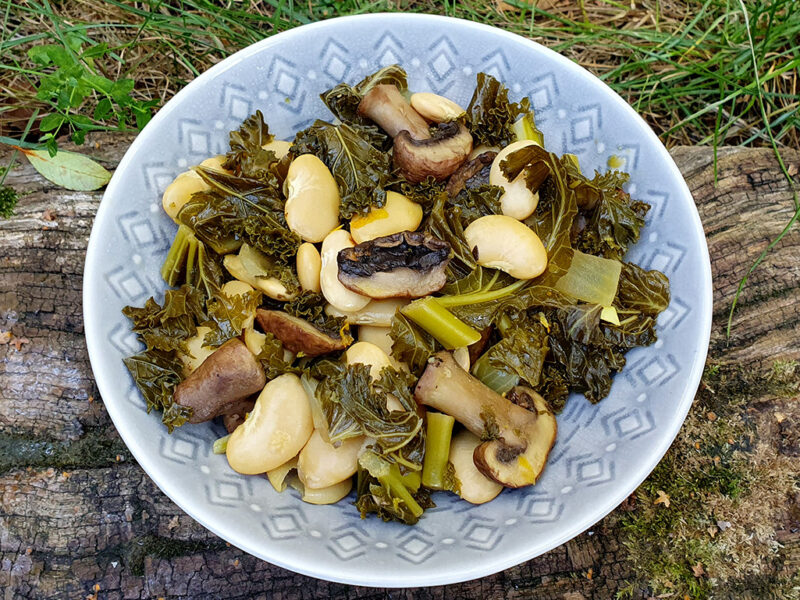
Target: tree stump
79	518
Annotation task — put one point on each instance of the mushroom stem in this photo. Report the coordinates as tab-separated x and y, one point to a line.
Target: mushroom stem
519	440
385	105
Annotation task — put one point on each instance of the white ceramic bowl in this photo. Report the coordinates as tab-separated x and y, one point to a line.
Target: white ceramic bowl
603	451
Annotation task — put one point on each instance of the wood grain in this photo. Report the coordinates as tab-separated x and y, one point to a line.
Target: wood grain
78	517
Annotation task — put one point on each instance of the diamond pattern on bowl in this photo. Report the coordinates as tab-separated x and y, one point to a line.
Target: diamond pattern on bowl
285	522
415	546
334	61
590	470
540	508
543	93
388	49
597	444
235	102
628	423
674	314
348	542
655	370
496	64
480	533
665	258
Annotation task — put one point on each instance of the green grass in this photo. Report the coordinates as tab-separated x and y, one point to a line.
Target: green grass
702	72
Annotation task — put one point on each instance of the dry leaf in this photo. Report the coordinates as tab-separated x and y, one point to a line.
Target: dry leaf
173	523
698	570
504	6
712	531
18	341
712	416
662	498
5	337
48	215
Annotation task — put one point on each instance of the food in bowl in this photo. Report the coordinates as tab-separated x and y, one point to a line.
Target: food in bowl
400	300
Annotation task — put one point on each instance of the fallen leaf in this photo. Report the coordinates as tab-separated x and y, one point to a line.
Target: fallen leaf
589	573
712	531
504	6
779	417
18	341
662	498
5	337
698	570
173	523
48	215
712	416
70	170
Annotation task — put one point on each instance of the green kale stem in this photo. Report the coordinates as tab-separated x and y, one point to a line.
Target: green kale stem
221	445
437	450
482	296
388	475
451	331
499	380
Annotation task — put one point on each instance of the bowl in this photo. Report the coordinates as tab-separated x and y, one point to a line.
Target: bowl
603	451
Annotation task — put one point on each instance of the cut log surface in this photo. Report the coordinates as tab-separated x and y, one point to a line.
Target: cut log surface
79	517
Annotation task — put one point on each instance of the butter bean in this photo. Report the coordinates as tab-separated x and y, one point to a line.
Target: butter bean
517	201
309	265
278	427
334	292
436	108
396	215
312	199
502	242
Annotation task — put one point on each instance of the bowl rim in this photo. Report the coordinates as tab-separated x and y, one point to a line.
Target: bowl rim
491	564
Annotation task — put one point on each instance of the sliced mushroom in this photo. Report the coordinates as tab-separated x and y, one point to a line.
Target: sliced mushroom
385	105
236	413
230	374
437	157
519	440
297	335
471	174
401	265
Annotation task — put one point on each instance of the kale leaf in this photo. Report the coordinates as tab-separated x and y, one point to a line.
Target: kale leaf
167	328
362	171
228	316
156	373
490	115
246	157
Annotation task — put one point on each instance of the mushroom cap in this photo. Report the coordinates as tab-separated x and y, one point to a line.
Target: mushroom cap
298	335
520	462
405	265
436	157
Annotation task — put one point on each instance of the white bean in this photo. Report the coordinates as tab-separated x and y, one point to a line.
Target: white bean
517	201
502	242
333	290
180	191
436	108
322	465
309	265
312	199
397	214
278	427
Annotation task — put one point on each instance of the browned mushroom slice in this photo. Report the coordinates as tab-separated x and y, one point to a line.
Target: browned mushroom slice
297	335
236	413
437	157
230	374
519	440
471	174
385	105
402	265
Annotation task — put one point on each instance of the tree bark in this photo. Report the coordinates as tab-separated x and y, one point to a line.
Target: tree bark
78	517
